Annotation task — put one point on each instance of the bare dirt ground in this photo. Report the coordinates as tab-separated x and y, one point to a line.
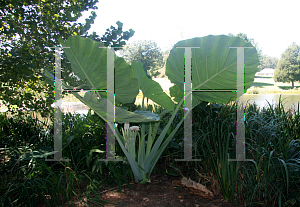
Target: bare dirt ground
160	192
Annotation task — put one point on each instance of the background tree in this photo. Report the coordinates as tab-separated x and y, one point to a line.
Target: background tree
27	30
264	60
288	68
114	37
247	39
267	62
162	71
146	52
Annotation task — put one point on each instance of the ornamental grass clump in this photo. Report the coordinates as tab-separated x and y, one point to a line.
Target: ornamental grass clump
271	142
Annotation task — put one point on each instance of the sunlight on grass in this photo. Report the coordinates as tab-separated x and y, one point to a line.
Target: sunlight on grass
71	98
266	85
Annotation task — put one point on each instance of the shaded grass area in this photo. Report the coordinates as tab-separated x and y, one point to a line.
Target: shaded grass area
261	84
288	87
264	77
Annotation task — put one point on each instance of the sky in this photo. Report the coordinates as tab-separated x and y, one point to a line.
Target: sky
274	25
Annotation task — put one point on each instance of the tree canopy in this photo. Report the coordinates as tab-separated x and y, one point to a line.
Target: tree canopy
267	62
246	39
28	30
147	52
254	43
288	68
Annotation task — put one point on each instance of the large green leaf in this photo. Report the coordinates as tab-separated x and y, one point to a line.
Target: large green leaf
150	88
99	106
178	94
214	66
89	62
39	153
148	115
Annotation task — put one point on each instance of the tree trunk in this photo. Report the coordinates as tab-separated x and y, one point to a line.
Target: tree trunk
292	84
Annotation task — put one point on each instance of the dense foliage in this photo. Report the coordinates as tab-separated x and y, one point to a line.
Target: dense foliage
272	141
267	62
28	30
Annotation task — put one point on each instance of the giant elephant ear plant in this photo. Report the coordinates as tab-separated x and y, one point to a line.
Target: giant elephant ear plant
213	67
89	62
211	64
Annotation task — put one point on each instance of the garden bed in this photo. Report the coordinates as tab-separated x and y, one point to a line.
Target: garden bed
160	192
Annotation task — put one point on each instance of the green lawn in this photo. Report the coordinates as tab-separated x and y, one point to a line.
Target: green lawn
266	85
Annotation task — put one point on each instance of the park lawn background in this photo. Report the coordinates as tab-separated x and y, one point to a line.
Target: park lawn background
266	85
